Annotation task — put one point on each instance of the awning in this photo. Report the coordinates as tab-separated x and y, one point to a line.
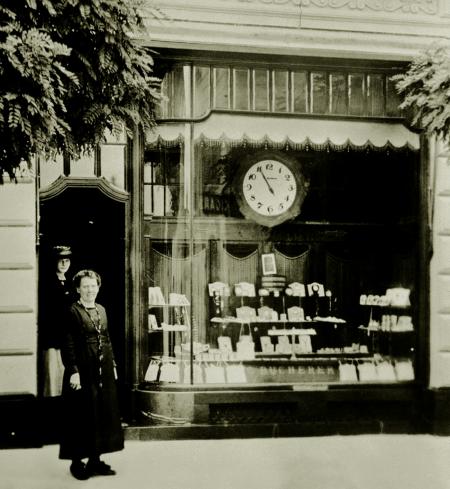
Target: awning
297	132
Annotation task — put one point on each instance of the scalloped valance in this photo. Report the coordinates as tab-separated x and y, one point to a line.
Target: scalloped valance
293	133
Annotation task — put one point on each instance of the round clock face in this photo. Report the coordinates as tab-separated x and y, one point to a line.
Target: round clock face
269	187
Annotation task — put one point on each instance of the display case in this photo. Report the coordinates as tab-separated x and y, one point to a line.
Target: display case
274	241
296	339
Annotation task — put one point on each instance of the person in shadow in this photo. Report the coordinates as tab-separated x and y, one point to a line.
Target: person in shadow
55	299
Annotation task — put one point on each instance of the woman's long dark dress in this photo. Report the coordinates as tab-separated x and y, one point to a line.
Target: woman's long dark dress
91	419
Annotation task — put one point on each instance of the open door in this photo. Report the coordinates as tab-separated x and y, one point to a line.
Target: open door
90	216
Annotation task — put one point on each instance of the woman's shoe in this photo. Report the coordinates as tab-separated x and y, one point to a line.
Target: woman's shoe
99	468
79	471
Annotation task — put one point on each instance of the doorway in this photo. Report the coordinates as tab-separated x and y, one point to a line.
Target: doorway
93	225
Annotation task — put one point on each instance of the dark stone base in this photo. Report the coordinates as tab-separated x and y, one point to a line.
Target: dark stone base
438	411
20	422
188	412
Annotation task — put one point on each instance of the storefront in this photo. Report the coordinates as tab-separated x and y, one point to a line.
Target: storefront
275	254
316	306
284	249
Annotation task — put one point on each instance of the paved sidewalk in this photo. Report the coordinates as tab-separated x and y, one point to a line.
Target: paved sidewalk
337	462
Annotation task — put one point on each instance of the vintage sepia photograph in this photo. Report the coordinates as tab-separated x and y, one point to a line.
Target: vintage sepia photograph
224	240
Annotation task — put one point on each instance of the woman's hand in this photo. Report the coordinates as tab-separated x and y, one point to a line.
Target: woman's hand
75	383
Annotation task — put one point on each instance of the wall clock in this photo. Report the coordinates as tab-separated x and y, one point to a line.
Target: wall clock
270	188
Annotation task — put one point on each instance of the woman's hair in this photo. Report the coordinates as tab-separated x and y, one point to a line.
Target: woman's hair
86	273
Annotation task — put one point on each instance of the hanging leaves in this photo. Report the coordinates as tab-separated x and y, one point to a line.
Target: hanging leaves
426	90
70	70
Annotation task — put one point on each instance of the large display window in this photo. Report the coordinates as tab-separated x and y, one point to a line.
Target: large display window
281	263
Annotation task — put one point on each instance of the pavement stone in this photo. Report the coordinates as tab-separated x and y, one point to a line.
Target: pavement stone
329	462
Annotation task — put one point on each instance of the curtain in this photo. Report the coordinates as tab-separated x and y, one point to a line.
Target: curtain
173	274
293	267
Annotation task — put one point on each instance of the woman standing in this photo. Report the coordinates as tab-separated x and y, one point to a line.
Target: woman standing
55	300
91	420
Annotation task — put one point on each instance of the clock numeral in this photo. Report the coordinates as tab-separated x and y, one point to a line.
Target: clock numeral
291	188
252	176
259	205
281	206
259	168
287	198
269	166
269	209
248	186
287	177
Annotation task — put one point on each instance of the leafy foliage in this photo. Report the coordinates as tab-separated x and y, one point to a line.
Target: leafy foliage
426	90
69	71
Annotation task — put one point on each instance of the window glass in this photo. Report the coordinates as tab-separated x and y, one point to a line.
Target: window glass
113	164
319	93
300	91
261	89
392	99
375	95
338	93
294	303
201	90
163	108
221	88
241	89
178	96
280	91
356	94
84	167
163	183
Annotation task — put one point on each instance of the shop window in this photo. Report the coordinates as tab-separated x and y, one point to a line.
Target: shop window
338	89
335	93
356	94
216	177
163	187
280	91
300	91
329	297
392	99
173	91
221	88
319	93
241	87
261	90
375	95
202	90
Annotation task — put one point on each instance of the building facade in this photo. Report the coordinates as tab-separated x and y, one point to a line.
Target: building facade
274	252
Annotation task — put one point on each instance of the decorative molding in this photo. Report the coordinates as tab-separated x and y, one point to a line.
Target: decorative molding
16	266
100	183
406	6
15	352
15	309
15	223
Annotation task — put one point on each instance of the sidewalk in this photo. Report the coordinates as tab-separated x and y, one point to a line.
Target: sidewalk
351	462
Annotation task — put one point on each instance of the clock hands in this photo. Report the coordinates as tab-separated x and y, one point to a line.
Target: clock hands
268	184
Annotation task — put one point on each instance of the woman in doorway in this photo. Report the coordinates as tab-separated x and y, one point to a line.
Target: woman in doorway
91	417
55	300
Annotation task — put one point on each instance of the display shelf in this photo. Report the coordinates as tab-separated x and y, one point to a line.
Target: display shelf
278	321
379	330
388	306
339	356
171	328
291	332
